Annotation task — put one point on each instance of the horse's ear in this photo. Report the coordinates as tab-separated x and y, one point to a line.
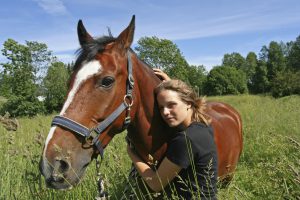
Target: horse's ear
125	39
83	36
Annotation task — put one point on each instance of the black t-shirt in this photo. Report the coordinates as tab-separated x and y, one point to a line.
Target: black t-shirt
195	151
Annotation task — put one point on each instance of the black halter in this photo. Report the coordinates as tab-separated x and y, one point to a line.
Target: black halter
95	132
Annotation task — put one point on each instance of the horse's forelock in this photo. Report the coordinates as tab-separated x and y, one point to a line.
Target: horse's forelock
88	51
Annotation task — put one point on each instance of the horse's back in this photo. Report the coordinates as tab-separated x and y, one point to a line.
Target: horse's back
227	126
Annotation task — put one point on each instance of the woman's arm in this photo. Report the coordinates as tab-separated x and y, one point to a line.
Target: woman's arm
156	180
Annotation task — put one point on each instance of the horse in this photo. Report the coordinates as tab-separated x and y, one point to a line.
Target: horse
111	90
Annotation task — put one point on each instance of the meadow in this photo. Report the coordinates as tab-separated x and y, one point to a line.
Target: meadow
269	167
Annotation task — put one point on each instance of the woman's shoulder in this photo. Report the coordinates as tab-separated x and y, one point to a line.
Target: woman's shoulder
199	129
198	125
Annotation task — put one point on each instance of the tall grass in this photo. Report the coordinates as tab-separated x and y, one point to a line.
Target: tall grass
269	167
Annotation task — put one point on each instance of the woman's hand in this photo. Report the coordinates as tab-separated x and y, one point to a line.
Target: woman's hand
156	180
161	75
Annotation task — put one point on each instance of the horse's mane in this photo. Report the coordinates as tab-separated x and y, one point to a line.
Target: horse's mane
89	50
146	64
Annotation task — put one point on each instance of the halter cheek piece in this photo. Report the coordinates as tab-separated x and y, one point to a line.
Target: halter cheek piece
94	133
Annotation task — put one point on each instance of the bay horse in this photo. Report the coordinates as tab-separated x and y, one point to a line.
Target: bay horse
111	90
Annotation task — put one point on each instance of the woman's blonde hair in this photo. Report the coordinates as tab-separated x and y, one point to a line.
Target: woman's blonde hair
187	95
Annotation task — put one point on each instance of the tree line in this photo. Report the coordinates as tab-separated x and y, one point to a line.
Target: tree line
34	81
275	71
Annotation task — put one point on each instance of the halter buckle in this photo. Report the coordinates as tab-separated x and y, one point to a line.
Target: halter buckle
127	121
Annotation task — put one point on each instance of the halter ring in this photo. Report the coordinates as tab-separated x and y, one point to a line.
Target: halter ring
129	97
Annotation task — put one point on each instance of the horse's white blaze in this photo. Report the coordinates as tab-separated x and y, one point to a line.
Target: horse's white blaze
83	74
45	162
50	134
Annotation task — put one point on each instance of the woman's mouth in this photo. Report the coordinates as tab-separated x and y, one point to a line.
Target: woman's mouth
169	118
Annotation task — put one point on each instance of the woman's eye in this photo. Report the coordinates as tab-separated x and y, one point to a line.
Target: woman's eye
172	105
107	82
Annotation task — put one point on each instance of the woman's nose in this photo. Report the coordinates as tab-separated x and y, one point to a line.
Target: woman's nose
165	112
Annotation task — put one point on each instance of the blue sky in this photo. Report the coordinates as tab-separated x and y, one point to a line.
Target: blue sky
203	30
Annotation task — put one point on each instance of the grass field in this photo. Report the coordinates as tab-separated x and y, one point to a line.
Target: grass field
269	167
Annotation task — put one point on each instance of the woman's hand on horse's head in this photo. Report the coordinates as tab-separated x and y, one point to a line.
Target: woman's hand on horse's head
161	75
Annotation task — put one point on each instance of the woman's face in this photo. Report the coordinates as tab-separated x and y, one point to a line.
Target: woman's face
173	110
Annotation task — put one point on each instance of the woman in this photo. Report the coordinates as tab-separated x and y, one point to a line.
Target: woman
189	169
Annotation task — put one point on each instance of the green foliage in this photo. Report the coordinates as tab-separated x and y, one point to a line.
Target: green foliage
224	80
286	83
268	168
294	55
250	65
264	75
276	61
22	106
4	87
19	77
55	85
259	80
197	77
233	60
41	58
159	53
17	72
163	54
2	101
276	72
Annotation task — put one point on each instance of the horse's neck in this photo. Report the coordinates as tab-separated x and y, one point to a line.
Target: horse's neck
148	131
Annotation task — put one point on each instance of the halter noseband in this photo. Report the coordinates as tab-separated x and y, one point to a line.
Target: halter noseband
95	132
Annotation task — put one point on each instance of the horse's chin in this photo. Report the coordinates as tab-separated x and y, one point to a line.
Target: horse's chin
64	183
58	186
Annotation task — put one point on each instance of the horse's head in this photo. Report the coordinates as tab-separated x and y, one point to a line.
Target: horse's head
100	85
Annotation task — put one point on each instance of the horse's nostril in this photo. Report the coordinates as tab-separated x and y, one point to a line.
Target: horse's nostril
60	166
64	166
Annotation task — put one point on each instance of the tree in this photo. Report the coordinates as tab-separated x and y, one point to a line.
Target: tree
293	57
18	71
259	80
223	80
250	67
233	60
286	83
197	77
55	84
4	88
250	64
276	61
19	80
263	54
41	58
163	54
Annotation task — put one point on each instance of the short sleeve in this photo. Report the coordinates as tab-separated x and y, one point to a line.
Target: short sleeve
178	150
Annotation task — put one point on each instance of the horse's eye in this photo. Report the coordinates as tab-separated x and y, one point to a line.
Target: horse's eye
107	82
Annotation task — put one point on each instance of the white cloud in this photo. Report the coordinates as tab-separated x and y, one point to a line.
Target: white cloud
53	7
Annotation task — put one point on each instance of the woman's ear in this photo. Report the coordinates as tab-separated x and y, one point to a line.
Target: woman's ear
189	106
